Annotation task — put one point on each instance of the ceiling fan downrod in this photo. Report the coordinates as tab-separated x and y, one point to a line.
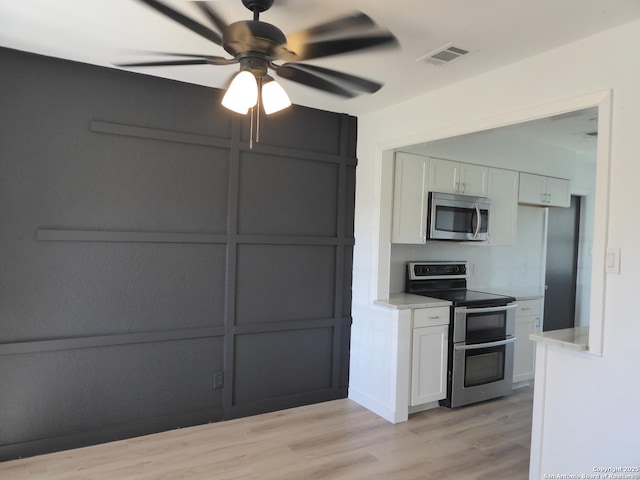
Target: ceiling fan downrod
257	7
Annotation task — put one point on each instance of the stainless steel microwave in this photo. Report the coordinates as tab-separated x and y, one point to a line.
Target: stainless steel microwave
461	218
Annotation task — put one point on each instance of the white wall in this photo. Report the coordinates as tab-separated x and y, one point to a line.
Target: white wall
592	403
517	268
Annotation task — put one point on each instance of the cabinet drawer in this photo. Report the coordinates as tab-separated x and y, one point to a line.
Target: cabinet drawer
528	307
428	317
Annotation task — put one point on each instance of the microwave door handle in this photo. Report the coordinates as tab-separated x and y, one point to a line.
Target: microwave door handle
477	346
478	223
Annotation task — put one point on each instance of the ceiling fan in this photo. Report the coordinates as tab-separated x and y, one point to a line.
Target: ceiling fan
257	46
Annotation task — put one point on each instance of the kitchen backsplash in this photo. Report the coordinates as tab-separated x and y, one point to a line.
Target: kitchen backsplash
518	267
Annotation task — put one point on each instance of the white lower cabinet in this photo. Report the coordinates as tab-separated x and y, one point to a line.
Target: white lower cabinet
429	355
524	354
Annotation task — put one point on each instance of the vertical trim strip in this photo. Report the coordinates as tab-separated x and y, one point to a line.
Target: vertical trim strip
231	266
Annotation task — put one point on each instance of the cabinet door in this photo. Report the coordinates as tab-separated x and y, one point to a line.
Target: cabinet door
410	199
558	192
524	350
527	321
429	364
503	192
473	180
444	175
532	189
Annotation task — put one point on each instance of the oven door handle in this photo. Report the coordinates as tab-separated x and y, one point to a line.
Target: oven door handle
502	308
499	343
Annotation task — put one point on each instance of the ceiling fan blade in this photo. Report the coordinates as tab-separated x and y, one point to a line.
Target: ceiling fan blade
185	21
165	63
211	59
325	48
212	15
291	72
352	81
355	20
193	60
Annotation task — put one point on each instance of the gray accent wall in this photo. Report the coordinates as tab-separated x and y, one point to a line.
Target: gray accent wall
156	272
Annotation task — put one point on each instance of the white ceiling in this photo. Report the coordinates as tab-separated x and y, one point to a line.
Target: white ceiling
497	32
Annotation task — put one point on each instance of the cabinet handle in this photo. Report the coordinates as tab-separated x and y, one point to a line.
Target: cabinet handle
435	317
526	308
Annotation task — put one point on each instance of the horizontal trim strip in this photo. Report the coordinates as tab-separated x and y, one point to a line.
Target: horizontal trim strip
67	235
158	134
63	235
205	140
289	325
37	346
298	154
292	240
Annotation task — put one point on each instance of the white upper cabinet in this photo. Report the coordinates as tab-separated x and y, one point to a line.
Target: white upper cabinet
545	191
447	176
558	192
410	198
503	219
474	179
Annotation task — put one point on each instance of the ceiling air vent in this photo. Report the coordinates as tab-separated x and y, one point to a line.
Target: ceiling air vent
443	55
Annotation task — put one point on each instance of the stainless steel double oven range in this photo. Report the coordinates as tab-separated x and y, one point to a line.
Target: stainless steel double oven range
481	332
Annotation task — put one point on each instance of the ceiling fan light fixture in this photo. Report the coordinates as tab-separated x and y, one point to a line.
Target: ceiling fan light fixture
242	94
274	98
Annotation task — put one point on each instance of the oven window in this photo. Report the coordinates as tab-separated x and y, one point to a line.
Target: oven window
482	366
482	327
457	219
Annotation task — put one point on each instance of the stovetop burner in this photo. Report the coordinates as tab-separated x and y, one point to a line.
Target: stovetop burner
448	281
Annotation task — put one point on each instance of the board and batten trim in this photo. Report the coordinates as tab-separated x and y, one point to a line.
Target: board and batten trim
157	134
151	133
69	235
50	345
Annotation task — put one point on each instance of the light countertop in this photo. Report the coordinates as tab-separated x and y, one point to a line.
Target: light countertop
401	301
571	338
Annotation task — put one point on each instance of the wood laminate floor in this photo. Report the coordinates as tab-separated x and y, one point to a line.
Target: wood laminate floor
333	440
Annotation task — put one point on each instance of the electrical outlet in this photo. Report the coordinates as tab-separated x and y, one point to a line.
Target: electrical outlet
613	260
218	380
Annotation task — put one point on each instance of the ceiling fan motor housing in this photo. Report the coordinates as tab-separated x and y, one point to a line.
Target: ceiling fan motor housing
251	36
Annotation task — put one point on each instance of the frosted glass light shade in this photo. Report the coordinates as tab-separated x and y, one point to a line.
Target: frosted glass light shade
274	98
242	94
